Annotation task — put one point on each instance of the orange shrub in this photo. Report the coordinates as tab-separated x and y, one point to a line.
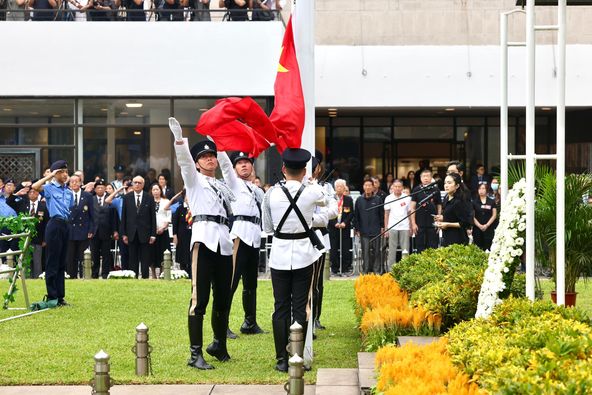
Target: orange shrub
419	370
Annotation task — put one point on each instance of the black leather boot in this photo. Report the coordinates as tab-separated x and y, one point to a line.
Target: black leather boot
281	331
217	348
250	327
196	360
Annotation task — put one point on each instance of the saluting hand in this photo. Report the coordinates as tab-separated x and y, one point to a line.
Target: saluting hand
176	129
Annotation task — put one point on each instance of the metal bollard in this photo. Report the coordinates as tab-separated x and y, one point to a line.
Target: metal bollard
166	265
295	384
87	265
142	350
102	381
296	345
9	259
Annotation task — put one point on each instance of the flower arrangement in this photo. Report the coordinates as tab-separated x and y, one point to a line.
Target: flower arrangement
119	274
176	274
414	369
506	250
372	290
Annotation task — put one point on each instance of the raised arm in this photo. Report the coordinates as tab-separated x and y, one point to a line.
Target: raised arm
110	198
228	172
38	186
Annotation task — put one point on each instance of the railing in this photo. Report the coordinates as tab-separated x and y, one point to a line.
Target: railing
62	14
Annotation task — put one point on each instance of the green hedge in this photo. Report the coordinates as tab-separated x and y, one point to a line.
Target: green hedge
526	348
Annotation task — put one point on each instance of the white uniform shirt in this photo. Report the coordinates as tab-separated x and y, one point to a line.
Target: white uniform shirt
291	254
245	203
203	200
397	211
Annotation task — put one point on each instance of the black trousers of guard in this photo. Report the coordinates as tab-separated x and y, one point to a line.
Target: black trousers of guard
56	237
318	287
209	270
291	289
426	237
246	262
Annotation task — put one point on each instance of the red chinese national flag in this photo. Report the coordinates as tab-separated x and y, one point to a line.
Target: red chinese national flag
288	113
241	124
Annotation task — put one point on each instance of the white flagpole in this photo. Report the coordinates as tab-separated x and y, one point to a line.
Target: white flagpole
303	17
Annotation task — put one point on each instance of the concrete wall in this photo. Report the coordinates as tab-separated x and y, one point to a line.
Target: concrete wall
435	22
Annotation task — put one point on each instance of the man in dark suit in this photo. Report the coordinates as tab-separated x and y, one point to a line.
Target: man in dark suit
106	221
36	208
480	178
138	225
81	226
341	226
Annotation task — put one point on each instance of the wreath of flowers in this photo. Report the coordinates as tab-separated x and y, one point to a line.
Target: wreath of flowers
506	250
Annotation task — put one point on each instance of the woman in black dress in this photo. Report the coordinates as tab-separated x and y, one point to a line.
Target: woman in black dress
456	215
484	221
182	224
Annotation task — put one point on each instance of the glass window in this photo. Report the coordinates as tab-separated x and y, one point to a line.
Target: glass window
95	152
378	156
50	155
36	111
493	148
346	155
37	136
427	121
474	138
424	132
470	121
126	111
132	146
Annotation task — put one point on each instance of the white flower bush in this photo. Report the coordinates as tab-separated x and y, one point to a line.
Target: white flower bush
122	274
176	274
506	249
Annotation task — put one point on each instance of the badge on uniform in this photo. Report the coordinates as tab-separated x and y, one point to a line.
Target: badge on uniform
346	209
486	206
403	204
85	208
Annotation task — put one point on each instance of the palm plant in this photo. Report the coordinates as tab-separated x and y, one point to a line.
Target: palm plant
578	221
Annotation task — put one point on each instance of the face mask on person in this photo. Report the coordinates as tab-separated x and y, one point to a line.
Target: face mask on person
494	187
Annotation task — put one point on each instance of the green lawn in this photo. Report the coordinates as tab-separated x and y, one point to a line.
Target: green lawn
57	346
583	289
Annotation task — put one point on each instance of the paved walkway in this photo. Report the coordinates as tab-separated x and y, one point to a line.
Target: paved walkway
171	389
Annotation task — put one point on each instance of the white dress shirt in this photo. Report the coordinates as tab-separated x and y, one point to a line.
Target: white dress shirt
162	216
291	254
245	203
203	200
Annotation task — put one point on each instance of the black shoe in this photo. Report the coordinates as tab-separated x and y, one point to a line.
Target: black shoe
195	325
281	331
217	348
230	334
63	303
250	326
317	325
196	360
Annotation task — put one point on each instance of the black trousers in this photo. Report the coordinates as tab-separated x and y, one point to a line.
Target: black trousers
139	254
123	254
318	287
291	292
482	239
245	262
75	257
346	243
162	243
101	248
56	237
209	270
426	238
371	255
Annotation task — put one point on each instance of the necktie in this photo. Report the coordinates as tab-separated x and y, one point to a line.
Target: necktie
138	202
76	197
32	213
101	202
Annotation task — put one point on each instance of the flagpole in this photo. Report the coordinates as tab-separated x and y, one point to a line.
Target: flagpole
303	17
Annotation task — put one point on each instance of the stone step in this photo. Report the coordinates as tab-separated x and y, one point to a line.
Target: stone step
337	382
366	372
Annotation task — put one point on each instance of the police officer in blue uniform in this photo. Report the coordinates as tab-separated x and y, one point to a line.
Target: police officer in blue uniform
58	198
81	226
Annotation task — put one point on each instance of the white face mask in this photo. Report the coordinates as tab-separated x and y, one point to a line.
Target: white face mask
494	187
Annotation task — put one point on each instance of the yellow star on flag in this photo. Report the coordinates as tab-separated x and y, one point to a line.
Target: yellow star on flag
282	69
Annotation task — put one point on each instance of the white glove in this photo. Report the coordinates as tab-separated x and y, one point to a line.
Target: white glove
176	129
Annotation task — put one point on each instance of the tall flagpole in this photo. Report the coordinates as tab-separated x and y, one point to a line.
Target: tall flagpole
303	16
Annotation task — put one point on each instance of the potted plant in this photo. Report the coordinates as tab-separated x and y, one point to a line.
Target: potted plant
578	229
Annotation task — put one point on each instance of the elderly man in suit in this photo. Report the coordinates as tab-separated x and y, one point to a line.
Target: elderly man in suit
36	208
138	226
81	226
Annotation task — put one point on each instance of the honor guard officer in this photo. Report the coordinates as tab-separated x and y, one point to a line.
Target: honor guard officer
212	248
288	214
246	232
81	226
59	199
321	220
